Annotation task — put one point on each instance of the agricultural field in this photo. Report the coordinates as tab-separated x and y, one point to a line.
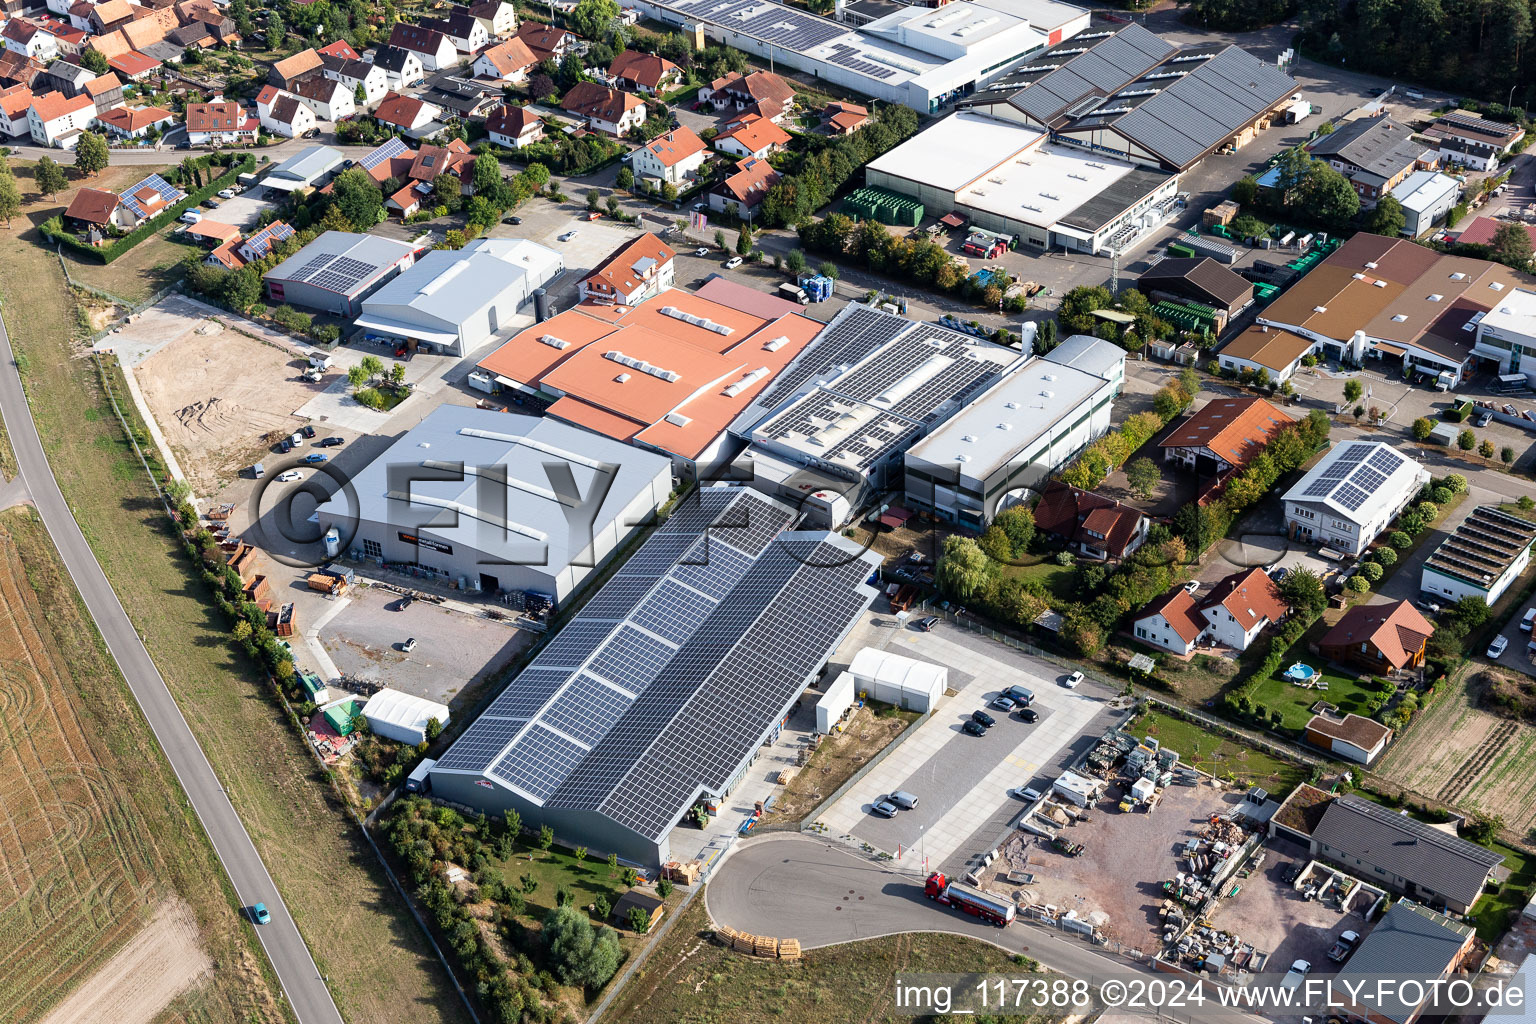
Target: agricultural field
100	867
1468	757
378	964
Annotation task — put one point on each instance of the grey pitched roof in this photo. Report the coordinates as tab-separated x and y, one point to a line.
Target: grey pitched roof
1451	867
1379	145
1202	274
1410	940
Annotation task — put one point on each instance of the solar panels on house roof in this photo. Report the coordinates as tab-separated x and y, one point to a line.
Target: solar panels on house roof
1353	474
387	150
168	194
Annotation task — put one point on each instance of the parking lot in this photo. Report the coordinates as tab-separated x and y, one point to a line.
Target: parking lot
244	210
962	781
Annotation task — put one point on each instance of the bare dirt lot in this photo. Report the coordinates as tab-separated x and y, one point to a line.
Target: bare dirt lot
1106	878
159	963
216	396
1470	758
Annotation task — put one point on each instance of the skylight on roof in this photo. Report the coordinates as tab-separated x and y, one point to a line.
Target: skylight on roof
1436	298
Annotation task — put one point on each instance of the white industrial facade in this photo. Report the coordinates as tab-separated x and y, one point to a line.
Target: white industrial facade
499	502
1027	425
1347	499
1010	178
903	682
453	301
1507	333
1485	554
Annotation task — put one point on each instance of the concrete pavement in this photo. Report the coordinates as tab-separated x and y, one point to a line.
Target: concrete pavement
290	957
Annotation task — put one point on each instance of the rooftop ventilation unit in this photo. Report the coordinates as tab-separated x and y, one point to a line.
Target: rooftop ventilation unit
962	457
1079	177
747	381
697	321
670	376
1319	309
1496	286
1398	318
554	342
1005	426
622	378
1047	394
1458	276
677	419
1096	166
1010	405
776	343
1379	283
1370	264
1436	298
971	438
1358	277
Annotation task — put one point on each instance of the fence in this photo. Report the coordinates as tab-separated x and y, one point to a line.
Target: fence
133	308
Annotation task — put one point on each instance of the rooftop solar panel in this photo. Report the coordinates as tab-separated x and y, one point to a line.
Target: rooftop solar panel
538	762
385	151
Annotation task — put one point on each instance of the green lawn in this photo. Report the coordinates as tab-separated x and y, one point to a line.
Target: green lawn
559	867
1491	913
1057	579
1295	702
1222	757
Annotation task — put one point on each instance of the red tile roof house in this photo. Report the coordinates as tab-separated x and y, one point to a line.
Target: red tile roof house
743	192
435	50
1222	434
1172	622
509	61
546	41
764	89
754	137
673	158
133	66
1099	527
1240	607
631	275
845	118
608	110
644	73
134	122
407	113
1378	638
220	121
514	127
93	208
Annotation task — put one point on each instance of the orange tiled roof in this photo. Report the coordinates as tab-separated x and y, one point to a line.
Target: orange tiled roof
1178	608
1233	429
1397	630
1249	596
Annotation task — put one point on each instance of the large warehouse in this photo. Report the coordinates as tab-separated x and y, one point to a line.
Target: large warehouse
1016	434
920	57
1124	92
451	301
664	688
499	502
1013	179
337	271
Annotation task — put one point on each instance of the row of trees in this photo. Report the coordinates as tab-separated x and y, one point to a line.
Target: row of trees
812	177
1109	452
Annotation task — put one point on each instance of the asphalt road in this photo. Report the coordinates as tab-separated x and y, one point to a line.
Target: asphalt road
306	991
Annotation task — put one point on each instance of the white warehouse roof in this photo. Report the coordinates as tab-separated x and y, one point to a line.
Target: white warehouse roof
392	711
445	289
303	169
958	150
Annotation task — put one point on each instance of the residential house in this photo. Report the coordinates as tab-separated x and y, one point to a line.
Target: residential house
405	113
636	272
514	127
66	38
408	200
29	40
329	99
133	66
1378	638
673	158
148	198
1223	434
1097	526
18	69
432	162
1374	153
225	255
1347	499
15	101
194	35
1351	737
109	16
1201	280
285	72
498	17
134	122
763	91
608	110
221	121
546	41
1474	142
57	120
1410	940
79	13
507	61
211	233
391	158
93	208
435	50
1403	854
1172	622
340	50
105	91
1239	608
754	137
65	76
844	118
282	113
741	193
264	241
462	29
402	67
645	73
354	74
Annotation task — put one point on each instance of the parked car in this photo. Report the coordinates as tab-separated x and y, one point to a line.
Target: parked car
1485	419
983	719
1496	648
1027	793
409	645
901	798
885	808
1425	604
190	217
1292	872
1004	704
227	193
698	207
260	914
288	475
1072	680
1020	694
733	263
1028	715
285	446
330	442
1192	586
1528	619
926	625
701	251
567	236
974	728
307	430
512	218
315	458
1279	574
1293	977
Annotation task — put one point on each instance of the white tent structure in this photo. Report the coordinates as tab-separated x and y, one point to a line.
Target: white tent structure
893	679
402	717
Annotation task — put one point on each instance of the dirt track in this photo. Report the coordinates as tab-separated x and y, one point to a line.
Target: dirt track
159	963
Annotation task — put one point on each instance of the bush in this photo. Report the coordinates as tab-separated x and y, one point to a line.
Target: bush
1358	584
1441	495
1372	571
1507	455
1422	428
1399	540
1385	556
1466	440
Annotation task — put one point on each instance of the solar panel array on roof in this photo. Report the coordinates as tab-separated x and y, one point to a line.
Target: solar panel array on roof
169	194
386	150
1358	472
707	654
771	22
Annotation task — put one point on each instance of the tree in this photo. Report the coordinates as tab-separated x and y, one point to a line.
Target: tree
963	569
1485	449
546	837
94	60
594	19
358	198
1466	440
795	261
91	154
1352	391
1358	584
1422	428
434	729
580	853
487	173
1329	195
1303	591
594	199
1018	525
744	240
1245	190
277	31
1143	476
664	888
828	269
1507	455
372	366
578	953
10	194
719	239
625	180
601	907
638	920
1511	245
613	865
1387	219
1483	828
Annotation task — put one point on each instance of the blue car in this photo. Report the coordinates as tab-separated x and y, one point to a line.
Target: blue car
314	458
259	912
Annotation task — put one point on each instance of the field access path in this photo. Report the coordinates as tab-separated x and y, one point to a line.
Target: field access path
306	991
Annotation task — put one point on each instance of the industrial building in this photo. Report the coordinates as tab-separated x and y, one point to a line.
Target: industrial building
920	57
1013	179
1375	153
1347	499
1125	93
664	688
337	271
497	502
1030	423
832	428
1482	558
669	374
1426	197
304	169
1506	334
452	302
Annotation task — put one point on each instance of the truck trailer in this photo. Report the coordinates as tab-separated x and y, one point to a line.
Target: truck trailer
989	906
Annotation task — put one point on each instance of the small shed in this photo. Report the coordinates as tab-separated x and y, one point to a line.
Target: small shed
650	905
402	717
339	716
894	679
1142	789
1444	433
1076	789
420	779
837	700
